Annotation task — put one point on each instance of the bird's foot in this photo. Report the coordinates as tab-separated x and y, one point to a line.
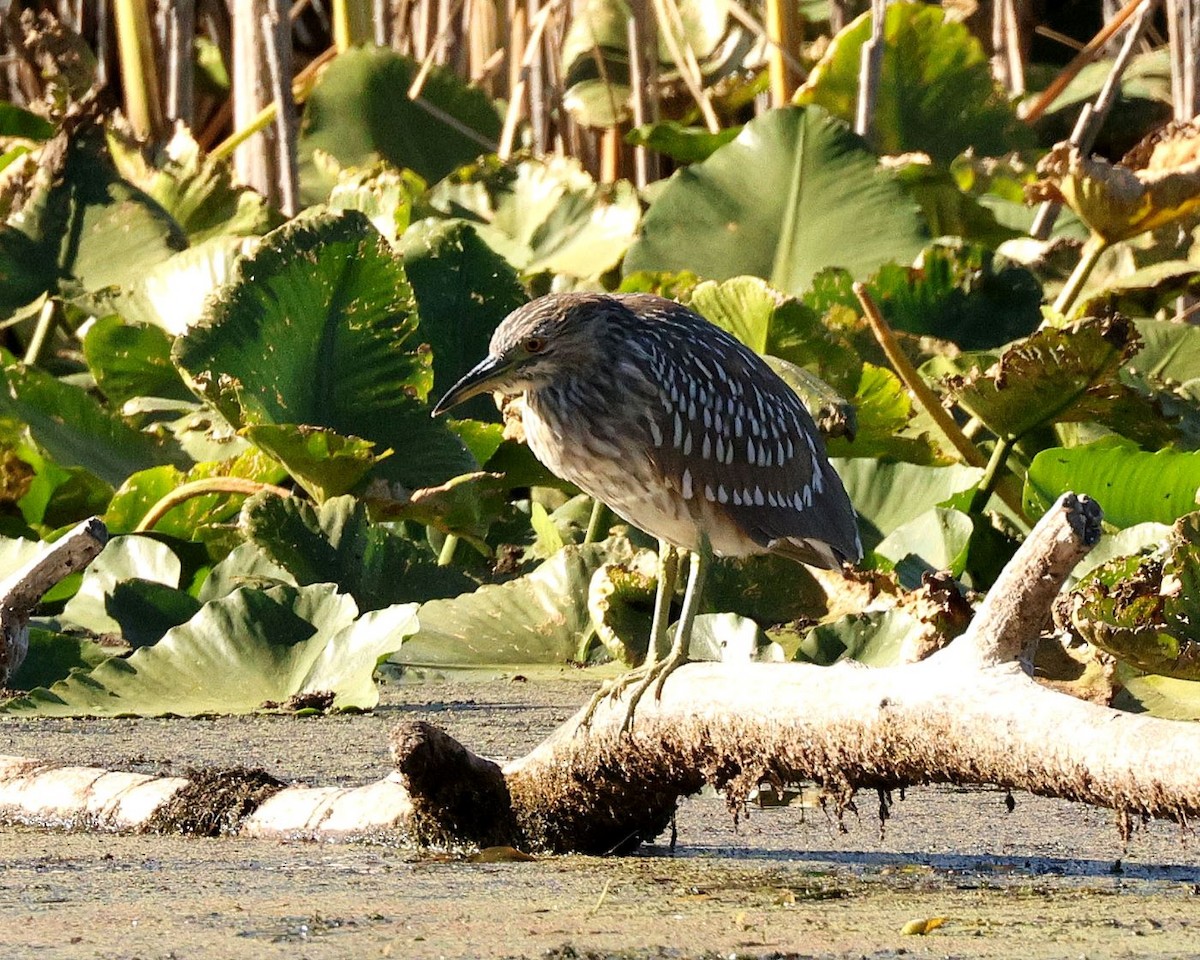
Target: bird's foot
637	681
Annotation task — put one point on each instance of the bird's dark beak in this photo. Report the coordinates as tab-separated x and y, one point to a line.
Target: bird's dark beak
480	379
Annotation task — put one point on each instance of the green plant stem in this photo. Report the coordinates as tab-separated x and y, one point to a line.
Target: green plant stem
139	73
598	519
200	488
1088	258
449	545
991	475
47	317
351	23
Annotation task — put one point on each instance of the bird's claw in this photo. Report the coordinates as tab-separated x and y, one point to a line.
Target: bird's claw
640	679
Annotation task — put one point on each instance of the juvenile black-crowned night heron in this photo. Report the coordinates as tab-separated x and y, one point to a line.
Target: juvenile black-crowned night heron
679	428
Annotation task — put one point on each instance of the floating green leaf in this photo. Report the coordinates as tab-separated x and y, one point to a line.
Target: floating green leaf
1131	486
123	558
876	639
240	654
52	656
541	617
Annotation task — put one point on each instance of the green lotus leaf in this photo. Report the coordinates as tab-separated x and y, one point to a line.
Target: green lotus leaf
887	494
594	56
545	215
360	112
337	543
53	656
936	93
463	290
936	540
131	360
382	193
466	506
171	294
319	327
197	191
783	201
249	651
876	638
770	322
123	558
541	617
1131	485
75	429
83	227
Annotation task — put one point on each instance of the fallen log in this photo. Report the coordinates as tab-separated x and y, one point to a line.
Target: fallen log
968	714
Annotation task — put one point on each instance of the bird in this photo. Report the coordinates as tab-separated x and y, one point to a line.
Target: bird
679	428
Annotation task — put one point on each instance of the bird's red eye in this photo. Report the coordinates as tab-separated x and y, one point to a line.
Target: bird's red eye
534	344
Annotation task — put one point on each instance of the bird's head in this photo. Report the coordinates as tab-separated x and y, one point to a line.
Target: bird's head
536	343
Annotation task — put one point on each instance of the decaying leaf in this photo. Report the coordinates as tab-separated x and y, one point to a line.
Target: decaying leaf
1145	609
1056	375
1154	184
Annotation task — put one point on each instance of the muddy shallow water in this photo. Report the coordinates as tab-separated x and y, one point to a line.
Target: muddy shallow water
1050	879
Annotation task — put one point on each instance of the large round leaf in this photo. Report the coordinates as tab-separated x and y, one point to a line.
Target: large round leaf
337	543
539	618
319	327
795	193
360	112
888	495
237	655
936	90
463	289
86	226
545	215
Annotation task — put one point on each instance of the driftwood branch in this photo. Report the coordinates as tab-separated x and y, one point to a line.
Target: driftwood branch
968	714
21	591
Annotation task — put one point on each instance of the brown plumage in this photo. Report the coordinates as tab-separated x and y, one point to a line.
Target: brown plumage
681	430
676	425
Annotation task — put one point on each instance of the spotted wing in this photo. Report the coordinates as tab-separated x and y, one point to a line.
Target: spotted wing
727	430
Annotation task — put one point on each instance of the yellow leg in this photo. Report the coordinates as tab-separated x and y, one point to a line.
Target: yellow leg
658	672
657	650
668	574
